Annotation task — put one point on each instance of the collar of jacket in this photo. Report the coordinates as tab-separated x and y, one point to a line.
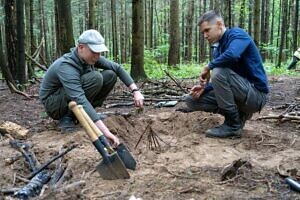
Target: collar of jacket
76	58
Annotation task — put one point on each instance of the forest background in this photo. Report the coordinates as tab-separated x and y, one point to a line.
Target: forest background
146	36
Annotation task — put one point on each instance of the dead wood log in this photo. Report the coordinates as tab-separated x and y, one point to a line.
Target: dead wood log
9	191
23	148
13	129
121	104
42	67
34	186
52	160
176	82
280	117
231	170
14	89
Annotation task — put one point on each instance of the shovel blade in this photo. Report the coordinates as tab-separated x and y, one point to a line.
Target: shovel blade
113	168
126	156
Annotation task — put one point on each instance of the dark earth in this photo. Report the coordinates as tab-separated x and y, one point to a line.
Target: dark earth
183	165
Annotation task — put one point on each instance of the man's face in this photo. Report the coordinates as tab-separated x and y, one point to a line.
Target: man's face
212	31
87	54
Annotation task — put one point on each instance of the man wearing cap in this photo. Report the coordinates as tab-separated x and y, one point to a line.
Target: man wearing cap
73	77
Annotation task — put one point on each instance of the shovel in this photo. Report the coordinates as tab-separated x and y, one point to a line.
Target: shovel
111	167
121	149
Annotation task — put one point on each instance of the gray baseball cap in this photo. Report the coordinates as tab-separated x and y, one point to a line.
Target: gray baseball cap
94	40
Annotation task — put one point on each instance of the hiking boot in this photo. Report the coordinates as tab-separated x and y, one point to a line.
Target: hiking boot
244	117
67	124
232	127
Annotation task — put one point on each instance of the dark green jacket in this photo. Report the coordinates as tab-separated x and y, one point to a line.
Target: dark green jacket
66	72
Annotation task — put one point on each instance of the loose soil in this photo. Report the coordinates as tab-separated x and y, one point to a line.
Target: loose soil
185	164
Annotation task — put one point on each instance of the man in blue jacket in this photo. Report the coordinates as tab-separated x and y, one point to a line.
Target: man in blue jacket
238	85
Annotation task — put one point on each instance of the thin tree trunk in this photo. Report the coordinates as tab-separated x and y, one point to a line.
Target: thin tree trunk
4	66
189	31
283	32
92	18
174	41
151	8
227	16
114	30
272	22
256	21
137	57
295	25
28	37
44	34
65	39
123	32
242	14
11	37
22	76
250	16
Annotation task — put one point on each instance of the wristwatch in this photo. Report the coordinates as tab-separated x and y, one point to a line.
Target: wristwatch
134	90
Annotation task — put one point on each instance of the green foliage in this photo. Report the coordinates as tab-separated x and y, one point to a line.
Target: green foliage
39	73
158	55
271	69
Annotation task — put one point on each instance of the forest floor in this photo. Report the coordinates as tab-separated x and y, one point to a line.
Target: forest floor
185	164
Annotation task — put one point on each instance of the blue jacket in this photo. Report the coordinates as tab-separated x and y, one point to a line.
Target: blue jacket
237	51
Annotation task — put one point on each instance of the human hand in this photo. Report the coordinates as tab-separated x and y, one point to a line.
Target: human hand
196	91
204	76
113	140
138	99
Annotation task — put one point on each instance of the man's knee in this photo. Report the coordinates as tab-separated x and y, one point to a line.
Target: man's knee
92	79
109	77
219	74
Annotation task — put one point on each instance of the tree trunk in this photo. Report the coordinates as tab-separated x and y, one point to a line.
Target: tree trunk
45	55
283	32
295	25
272	22
92	18
4	66
115	48
22	76
250	17
28	37
242	14
64	27
11	38
151	9
123	32
137	57
256	21
264	28
174	41
202	46
189	31
228	13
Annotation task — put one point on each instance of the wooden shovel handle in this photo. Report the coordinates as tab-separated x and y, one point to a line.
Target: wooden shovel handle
82	120
90	121
96	130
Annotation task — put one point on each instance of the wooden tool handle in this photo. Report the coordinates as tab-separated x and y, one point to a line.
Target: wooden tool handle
90	121
82	120
96	130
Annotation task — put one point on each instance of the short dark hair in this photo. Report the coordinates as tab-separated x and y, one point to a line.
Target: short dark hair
209	16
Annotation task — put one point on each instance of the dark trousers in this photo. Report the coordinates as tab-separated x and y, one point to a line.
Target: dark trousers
231	93
293	63
96	87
